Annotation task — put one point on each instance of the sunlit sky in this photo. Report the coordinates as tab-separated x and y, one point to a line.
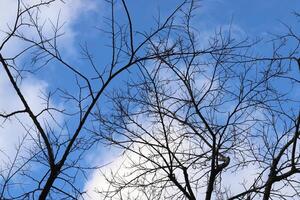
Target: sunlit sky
84	18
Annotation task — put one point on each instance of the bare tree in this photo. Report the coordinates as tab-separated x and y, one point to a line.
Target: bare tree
200	115
51	167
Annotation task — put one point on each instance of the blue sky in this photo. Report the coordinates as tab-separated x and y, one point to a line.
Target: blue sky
248	18
253	19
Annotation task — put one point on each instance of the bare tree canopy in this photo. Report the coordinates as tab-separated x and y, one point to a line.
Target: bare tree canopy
190	117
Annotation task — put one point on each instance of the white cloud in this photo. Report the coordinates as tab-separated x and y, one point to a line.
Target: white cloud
68	13
96	180
32	87
234	180
123	167
11	131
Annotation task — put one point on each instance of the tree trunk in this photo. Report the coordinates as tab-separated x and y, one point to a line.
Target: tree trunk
267	191
48	185
210	186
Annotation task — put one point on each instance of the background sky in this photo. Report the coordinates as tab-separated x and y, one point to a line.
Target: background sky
84	18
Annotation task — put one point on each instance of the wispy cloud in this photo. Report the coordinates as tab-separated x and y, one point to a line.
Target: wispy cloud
12	130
